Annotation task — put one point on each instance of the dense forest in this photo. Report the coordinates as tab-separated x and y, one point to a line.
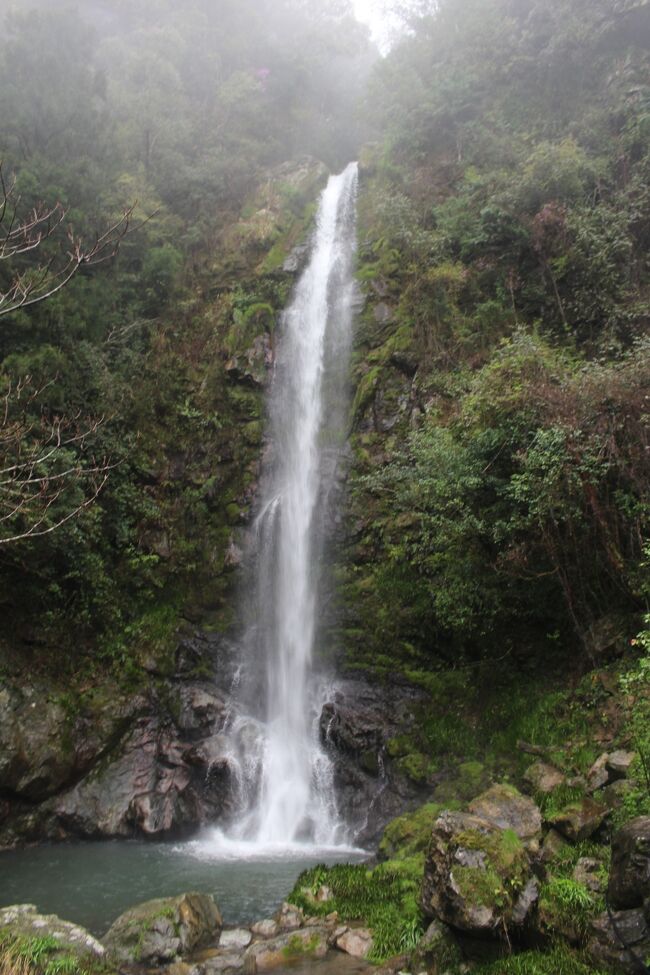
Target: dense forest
161	166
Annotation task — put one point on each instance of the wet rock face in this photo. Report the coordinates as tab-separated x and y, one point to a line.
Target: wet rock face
356	727
43	747
629	879
109	766
620	943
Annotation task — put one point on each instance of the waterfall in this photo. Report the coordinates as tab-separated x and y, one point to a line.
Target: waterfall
283	775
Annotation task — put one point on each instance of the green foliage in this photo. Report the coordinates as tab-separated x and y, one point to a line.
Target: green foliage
635	684
505	496
568	901
559	960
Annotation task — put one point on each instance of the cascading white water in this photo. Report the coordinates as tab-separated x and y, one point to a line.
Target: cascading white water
283	775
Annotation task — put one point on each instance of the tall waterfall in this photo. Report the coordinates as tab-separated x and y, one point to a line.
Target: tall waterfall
284	775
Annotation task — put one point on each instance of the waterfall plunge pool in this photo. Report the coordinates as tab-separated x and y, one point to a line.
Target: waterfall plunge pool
92	883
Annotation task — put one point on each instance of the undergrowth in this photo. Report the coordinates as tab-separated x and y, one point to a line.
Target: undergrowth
385	898
36	956
560	960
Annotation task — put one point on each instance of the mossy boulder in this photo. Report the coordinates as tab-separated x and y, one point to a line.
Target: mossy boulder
30	941
579	820
477	877
505	806
468	779
409	834
163	929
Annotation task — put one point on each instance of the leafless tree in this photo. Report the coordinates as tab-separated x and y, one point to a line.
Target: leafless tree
48	473
23	235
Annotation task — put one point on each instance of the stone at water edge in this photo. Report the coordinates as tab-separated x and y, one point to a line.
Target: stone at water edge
289	917
629	877
356	942
266	929
235	939
164	929
264	956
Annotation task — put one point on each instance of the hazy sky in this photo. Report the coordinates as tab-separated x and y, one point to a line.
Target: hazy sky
370	12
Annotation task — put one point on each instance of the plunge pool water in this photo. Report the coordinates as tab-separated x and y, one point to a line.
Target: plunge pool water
93	883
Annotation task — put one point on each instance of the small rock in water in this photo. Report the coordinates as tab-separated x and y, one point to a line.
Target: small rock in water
277	952
237	939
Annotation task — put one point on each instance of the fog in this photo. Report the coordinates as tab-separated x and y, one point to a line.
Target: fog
190	100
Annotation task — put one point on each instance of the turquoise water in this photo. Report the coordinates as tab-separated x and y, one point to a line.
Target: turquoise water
93	883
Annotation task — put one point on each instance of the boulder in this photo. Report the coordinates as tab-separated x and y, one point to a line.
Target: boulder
553	844
504	806
227	964
164	929
235	939
619	763
356	726
598	774
437	950
265	929
629	878
356	942
476	875
544	778
620	942
24	921
580	820
263	956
